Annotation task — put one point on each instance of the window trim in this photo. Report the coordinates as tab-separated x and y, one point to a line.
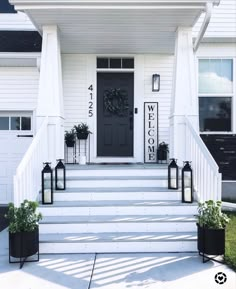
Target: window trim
232	95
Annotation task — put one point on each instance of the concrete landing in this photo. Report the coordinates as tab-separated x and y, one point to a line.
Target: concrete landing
112	271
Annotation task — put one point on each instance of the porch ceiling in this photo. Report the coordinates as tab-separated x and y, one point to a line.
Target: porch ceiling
108	27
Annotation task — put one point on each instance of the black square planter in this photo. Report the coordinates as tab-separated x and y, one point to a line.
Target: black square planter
210	241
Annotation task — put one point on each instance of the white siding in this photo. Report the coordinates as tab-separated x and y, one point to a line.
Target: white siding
75	89
15	21
223	21
162	65
18	88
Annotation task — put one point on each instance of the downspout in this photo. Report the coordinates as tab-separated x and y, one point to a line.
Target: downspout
209	9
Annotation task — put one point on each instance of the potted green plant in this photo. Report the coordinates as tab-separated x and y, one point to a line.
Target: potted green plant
82	130
162	151
211	223
23	229
70	138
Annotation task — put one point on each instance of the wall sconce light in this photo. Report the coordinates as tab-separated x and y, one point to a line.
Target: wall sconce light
155	82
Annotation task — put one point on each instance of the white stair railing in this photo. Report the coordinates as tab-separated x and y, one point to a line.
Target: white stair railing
207	179
27	180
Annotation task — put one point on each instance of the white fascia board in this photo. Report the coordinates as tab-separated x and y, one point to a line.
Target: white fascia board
22	55
111	4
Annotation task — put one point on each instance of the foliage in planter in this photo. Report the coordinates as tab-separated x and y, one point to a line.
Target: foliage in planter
82	130
210	215
211	224
162	150
70	137
23	218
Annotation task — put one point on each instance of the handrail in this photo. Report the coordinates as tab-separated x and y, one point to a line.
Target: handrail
27	179
207	179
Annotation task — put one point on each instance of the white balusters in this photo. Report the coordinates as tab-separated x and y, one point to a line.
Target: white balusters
27	181
207	179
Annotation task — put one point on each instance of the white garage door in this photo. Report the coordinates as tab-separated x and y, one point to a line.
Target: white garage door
16	134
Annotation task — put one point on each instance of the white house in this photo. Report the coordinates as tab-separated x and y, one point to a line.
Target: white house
97	65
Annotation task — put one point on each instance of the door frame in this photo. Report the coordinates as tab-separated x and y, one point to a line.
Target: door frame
138	132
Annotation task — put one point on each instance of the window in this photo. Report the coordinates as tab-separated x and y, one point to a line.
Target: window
115	63
4	123
15	123
215	87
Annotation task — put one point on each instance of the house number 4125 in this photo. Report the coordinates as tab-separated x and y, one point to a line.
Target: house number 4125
90	106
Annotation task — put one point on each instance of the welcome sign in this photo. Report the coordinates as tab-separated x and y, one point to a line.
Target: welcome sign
150	132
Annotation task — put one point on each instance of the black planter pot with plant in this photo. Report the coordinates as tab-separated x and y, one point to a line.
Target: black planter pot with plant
23	231
162	152
82	131
211	223
70	138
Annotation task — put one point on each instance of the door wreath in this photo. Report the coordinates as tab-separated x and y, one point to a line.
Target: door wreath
116	101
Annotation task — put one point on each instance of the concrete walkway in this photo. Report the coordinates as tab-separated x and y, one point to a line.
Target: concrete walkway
112	271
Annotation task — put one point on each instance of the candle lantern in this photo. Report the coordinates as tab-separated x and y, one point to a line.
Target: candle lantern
60	176
47	187
173	175
187	183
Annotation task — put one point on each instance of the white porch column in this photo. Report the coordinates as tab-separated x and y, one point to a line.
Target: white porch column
184	96
50	98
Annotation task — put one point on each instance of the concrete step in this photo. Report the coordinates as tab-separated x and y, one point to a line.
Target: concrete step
118	242
116	182
99	224
121	207
109	194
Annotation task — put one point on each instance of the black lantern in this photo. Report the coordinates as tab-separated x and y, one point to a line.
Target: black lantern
60	176
155	82
187	183
47	188
173	175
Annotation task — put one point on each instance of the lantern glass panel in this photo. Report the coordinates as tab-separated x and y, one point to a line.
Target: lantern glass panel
187	179
47	180
47	196
173	179
60	178
187	187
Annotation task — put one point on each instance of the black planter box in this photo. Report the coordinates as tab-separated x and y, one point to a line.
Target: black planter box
70	144
82	135
23	244
211	241
162	155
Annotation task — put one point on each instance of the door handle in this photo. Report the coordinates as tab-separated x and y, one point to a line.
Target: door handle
131	120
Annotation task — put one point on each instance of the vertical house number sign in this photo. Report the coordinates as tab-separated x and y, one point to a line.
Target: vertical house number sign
150	132
90	104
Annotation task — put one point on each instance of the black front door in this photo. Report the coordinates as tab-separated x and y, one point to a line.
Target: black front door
115	98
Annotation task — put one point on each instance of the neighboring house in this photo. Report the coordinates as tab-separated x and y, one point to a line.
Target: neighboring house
89	47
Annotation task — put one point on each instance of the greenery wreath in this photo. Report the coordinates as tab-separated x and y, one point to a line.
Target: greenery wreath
116	101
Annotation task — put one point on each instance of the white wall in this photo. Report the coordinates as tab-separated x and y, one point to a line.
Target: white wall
18	88
74	69
163	65
223	21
